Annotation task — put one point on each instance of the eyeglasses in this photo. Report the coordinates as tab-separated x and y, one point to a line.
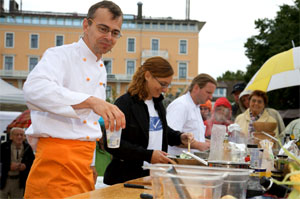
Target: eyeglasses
104	29
257	101
162	84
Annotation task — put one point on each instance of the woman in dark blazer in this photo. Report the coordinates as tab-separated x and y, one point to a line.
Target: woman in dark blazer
147	134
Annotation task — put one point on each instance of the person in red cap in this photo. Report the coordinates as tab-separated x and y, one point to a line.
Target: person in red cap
205	110
221	114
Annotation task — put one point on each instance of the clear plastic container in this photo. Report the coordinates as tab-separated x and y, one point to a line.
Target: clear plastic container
193	187
113	138
235	183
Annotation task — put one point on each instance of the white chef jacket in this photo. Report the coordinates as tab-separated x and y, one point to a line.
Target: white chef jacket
184	115
65	76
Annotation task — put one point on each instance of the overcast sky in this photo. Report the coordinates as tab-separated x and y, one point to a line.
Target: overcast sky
221	41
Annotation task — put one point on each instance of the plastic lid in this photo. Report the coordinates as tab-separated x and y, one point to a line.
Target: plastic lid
282	156
234	127
252	146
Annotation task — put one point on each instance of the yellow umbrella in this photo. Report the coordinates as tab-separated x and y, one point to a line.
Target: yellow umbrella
280	71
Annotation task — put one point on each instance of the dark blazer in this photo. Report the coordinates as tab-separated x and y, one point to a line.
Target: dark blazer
27	159
128	160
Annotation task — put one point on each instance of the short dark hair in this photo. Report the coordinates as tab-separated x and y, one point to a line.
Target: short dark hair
201	80
261	94
111	6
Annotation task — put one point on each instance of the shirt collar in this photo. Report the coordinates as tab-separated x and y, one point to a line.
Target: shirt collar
190	100
86	50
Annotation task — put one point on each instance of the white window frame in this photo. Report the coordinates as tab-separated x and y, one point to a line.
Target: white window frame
38	59
5	45
186	47
127	66
108	86
187	66
111	61
13	62
38	42
127	44
152	43
55	39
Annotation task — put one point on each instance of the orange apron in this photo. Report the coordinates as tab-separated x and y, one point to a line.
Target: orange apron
61	168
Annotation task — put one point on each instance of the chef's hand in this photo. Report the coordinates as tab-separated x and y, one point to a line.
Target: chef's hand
111	114
202	146
160	157
185	137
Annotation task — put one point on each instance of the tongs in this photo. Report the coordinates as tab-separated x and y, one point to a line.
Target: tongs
181	190
196	157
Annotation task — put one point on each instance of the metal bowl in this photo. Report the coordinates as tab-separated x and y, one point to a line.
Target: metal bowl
228	164
202	154
186	161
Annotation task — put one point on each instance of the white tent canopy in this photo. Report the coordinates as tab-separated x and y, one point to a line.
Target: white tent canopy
10	94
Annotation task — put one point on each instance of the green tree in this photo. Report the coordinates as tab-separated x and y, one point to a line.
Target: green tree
231	76
275	35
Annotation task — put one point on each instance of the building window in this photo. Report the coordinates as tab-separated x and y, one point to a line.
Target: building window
147	25
108	92
162	26
27	20
68	22
60	21
34	41
220	92
19	19
131	45
35	20
130	65
32	62
182	70
52	21
9	40
108	66
183	47
139	25
44	20
154	44
8	63
59	40
76	22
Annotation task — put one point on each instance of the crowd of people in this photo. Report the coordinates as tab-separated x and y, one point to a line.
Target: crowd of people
66	95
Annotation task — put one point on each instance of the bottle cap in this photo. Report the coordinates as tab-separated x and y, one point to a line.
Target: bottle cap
247	159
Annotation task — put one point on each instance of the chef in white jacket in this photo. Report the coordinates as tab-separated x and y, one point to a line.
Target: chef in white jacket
184	115
66	95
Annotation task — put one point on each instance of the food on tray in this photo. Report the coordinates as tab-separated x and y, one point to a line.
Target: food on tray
185	156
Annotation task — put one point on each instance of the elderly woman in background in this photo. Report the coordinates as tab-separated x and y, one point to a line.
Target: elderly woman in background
258	101
244	105
221	115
